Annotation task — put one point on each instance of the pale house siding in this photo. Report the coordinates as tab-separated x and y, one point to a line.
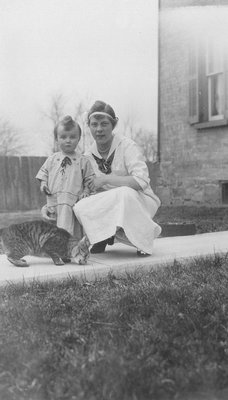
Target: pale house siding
193	162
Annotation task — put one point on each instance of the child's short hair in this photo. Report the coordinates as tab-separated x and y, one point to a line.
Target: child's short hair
67	123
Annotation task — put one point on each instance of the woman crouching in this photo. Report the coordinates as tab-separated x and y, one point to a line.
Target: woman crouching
124	205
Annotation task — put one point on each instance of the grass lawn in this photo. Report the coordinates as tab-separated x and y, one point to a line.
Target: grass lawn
147	335
154	335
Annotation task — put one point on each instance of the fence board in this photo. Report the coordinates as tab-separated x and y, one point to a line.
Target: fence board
37	198
2	184
19	189
12	182
24	188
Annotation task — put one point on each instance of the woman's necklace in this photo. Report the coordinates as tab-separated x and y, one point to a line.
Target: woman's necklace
104	151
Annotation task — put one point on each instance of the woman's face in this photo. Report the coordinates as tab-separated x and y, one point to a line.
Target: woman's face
101	129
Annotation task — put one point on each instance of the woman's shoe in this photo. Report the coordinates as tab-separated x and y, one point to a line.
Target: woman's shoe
141	253
100	246
110	240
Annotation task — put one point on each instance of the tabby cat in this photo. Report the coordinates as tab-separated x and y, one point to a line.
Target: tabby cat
41	238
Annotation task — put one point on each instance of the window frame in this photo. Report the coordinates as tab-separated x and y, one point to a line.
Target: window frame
193	73
203	117
215	72
224	190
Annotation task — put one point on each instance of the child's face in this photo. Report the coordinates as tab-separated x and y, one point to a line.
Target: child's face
68	140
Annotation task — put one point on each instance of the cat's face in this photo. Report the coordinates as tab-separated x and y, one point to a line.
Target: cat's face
80	252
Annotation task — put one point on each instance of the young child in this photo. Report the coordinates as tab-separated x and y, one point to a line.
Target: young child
64	177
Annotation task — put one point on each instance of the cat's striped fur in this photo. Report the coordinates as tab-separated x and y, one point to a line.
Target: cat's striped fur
41	238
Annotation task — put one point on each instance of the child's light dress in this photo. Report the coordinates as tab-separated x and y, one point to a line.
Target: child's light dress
66	177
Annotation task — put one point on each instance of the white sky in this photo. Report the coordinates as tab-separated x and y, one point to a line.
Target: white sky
96	49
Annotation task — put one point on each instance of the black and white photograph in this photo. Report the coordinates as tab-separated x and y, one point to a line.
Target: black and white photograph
113	200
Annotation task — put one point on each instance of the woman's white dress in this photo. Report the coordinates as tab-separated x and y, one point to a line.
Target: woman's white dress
121	211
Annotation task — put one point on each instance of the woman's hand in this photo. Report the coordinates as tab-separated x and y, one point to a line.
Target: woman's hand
99	182
83	195
95	183
90	183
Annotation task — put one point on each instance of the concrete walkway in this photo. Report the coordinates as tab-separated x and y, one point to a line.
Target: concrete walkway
118	258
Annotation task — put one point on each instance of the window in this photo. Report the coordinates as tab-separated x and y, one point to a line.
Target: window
193	84
224	193
207	83
215	81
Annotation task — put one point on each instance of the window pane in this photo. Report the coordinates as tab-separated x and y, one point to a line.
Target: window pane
193	83
225	193
216	95
192	97
214	57
192	60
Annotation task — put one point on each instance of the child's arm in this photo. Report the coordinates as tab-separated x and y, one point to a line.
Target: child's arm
44	188
45	214
42	177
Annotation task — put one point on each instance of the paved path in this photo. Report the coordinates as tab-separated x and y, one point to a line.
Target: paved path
118	258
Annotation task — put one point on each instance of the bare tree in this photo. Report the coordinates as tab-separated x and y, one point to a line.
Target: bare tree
80	116
147	141
145	138
55	112
11	142
129	125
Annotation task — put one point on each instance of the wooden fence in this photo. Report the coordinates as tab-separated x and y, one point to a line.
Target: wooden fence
19	190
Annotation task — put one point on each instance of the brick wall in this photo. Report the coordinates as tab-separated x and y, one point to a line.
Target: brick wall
193	162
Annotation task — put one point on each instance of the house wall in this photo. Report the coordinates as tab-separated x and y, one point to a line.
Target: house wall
192	162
